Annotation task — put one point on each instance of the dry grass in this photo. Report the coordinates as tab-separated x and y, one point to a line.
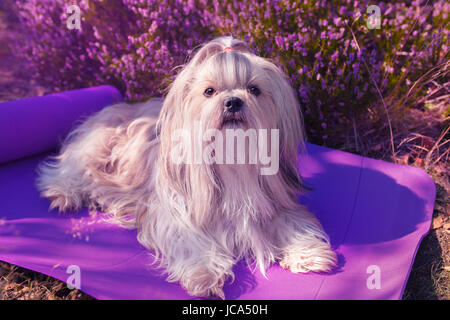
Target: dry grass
21	284
430	275
423	140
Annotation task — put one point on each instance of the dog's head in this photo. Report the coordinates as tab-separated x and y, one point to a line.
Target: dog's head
226	86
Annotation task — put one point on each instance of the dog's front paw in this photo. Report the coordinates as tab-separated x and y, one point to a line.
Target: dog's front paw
299	258
204	283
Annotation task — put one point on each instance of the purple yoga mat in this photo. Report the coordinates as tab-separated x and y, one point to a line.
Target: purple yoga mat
33	125
376	214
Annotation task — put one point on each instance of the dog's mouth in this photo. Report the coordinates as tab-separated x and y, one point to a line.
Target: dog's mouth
231	120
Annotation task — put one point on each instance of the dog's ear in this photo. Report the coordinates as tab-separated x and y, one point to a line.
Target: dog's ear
289	117
173	101
290	125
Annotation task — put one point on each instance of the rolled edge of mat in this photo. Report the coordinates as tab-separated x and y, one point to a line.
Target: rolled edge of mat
38	124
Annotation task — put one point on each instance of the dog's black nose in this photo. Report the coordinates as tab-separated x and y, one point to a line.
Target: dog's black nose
233	104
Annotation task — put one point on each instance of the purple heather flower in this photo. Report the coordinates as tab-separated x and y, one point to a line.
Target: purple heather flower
140	46
335	55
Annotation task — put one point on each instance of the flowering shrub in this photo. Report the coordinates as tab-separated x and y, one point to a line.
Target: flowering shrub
350	79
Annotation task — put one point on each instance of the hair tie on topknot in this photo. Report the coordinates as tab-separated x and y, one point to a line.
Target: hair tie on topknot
227	48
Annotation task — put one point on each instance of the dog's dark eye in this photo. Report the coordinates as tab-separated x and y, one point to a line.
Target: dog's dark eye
254	90
209	92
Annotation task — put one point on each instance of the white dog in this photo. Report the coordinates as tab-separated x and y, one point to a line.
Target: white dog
199	218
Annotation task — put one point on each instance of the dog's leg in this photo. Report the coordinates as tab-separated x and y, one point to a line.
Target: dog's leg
68	179
60	182
65	179
205	278
303	243
193	259
201	271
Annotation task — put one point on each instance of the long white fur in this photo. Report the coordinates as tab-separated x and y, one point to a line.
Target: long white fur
200	219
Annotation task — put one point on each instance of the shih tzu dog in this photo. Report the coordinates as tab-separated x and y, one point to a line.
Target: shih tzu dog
171	171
